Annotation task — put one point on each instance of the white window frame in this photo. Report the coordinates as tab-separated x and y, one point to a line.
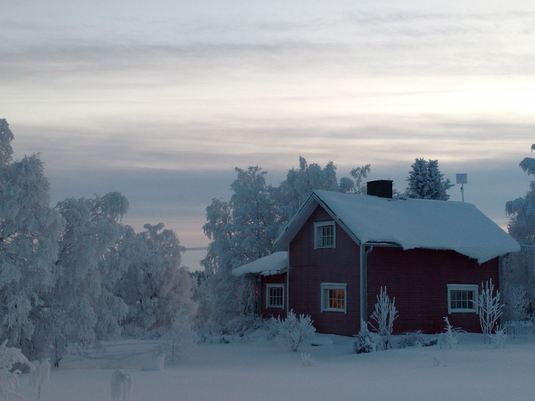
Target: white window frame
462	287
319	224
268	303
324	301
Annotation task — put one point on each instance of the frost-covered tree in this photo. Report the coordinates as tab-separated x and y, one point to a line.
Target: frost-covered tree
219	229
357	183
489	308
384	314
518	267
79	299
522	210
6	137
425	181
253	216
178	341
29	233
155	286
241	230
299	184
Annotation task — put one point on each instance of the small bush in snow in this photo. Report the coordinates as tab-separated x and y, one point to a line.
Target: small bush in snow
415	339
450	337
39	376
10	358
384	314
121	386
489	307
272	328
178	342
436	362
365	341
499	338
522	327
294	331
306	359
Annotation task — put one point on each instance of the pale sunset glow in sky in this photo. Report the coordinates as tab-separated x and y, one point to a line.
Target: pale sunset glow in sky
161	100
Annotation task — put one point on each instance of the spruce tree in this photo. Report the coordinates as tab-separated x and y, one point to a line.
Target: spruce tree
425	181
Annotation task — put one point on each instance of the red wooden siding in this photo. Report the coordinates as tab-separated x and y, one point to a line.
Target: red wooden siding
418	279
310	267
273	312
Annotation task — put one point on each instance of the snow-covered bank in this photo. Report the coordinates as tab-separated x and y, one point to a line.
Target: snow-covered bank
261	370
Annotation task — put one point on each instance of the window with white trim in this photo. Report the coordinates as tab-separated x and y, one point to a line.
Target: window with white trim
275	295
324	234
462	298
333	297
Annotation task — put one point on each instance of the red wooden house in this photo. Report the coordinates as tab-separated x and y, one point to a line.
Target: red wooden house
339	249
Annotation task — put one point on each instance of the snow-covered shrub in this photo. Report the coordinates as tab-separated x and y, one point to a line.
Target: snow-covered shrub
384	314
436	362
450	337
489	307
306	359
415	339
294	331
178	342
10	359
39	376
519	327
365	341
499	338
516	302
271	327
121	386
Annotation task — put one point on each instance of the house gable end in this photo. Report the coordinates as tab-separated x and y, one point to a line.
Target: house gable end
303	214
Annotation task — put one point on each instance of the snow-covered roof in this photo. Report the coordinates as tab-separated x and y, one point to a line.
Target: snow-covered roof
409	223
269	265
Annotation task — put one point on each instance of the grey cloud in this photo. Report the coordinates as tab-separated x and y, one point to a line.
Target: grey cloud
371	42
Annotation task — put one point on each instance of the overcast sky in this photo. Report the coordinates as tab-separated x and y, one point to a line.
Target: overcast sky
161	99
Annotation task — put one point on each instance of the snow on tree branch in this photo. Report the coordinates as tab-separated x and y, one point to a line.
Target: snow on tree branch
384	314
490	308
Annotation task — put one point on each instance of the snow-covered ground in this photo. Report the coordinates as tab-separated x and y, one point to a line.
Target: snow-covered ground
261	370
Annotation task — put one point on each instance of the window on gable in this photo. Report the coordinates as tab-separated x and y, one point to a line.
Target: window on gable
324	234
275	295
333	297
462	298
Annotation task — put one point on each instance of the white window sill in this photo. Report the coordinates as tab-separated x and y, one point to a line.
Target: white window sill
462	311
334	310
274	307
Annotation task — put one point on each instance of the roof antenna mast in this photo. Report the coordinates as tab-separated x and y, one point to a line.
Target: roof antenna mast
462	178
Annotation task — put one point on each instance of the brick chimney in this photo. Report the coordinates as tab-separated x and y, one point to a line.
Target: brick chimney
380	188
